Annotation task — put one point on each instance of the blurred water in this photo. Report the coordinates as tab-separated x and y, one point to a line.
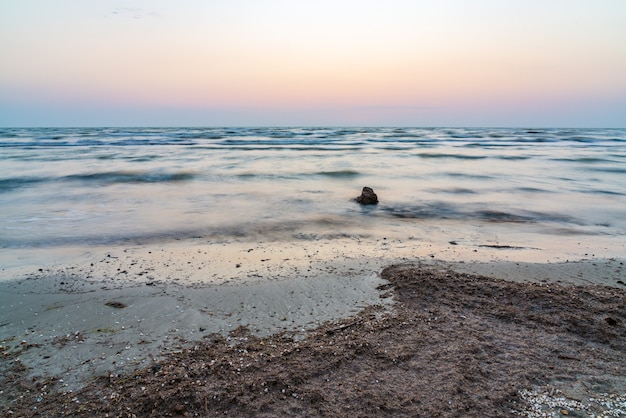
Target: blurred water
91	186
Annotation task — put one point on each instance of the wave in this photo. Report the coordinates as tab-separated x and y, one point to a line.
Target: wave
612	170
603	192
100	178
457	156
441	210
514	157
339	173
455	190
585	160
10	184
305	137
131	177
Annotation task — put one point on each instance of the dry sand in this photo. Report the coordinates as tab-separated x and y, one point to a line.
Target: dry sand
110	312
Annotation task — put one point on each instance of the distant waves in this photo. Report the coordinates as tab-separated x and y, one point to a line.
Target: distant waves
103	185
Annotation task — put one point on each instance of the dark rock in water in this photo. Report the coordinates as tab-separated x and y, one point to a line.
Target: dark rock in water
368	197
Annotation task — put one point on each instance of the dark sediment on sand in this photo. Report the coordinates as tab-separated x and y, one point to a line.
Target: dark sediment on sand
452	345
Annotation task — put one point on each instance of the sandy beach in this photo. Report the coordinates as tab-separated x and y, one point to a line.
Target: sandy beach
312	209
111	313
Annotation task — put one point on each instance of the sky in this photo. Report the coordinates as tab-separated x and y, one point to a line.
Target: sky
539	63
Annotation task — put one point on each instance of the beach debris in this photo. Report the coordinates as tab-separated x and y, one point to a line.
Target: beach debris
502	247
368	197
114	304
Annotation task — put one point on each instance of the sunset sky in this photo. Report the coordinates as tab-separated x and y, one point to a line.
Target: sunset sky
313	62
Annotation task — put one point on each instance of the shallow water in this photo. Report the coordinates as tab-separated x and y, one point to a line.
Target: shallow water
513	187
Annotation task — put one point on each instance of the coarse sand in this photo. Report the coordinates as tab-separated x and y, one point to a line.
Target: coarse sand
437	342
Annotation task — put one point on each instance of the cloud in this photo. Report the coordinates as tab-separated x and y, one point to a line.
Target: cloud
132	13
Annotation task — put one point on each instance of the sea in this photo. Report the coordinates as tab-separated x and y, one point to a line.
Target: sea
501	187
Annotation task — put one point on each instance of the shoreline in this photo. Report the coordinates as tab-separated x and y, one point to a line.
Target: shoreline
92	313
159	324
173	295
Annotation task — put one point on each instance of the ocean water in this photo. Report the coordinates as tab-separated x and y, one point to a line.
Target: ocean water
122	186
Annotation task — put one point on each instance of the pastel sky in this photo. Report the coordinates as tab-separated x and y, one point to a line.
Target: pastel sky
539	63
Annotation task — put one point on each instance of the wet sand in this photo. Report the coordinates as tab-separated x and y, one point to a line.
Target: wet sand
118	311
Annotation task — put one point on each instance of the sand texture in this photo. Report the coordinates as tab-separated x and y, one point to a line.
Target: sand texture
451	344
121	312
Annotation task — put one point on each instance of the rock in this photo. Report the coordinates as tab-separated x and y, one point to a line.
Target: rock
113	304
368	197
